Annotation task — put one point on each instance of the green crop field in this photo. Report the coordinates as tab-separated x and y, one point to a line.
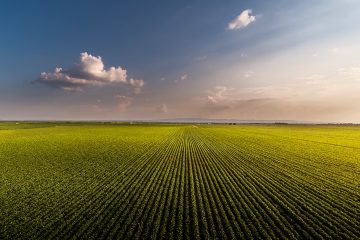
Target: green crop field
118	181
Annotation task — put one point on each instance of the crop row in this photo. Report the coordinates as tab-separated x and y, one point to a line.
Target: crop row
181	182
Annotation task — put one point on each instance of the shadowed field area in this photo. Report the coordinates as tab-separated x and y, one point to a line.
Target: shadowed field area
121	181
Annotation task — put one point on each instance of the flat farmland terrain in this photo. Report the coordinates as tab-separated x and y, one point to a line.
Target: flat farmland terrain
118	181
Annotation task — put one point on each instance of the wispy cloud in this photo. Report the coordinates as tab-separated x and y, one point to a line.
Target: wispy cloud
335	50
242	20
201	58
137	85
350	74
89	71
163	108
211	99
123	102
217	95
312	79
248	74
312	97
182	78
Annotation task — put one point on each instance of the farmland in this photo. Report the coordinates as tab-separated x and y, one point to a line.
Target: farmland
118	181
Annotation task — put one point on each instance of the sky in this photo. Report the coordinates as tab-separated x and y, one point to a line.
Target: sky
146	60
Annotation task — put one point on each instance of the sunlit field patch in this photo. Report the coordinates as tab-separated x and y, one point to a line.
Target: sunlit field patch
178	181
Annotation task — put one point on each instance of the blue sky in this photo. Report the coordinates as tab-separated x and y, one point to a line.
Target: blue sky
296	60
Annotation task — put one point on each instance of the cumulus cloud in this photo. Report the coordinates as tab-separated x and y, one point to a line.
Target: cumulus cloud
89	71
242	21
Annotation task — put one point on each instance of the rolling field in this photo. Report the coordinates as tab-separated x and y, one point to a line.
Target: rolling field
117	181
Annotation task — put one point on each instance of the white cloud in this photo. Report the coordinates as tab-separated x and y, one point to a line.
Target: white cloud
248	74
350	73
211	99
242	21
218	94
184	77
315	54
91	67
312	79
137	84
162	108
89	71
335	50
323	100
